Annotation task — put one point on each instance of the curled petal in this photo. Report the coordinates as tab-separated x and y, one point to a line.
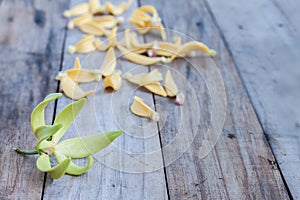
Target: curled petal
137	58
165	49
108	21
114	81
170	85
84	146
96	7
44	132
112	37
93	28
85	45
80	20
119	9
66	117
139	108
109	64
43	164
72	90
74	169
79	9
193	46
100	45
144	78
156	88
37	115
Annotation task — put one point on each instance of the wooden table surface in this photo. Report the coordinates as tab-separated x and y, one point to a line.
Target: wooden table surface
257	155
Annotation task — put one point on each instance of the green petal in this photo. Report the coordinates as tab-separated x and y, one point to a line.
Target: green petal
37	115
43	164
46	131
66	117
74	169
84	146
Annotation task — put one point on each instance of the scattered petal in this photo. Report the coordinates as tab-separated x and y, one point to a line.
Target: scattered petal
170	85
119	9
80	20
77	10
137	58
113	81
139	108
93	28
72	90
156	88
109	64
144	78
85	45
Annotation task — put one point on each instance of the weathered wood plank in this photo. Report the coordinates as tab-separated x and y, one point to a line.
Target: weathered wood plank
31	38
264	43
240	166
124	170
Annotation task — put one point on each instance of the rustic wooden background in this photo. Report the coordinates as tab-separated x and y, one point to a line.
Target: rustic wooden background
256	157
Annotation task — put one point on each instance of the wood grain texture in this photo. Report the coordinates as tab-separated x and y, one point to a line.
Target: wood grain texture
242	165
123	170
264	41
31	40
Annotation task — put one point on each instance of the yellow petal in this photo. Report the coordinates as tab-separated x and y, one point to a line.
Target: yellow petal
72	90
119	9
93	28
165	48
95	7
109	64
108	21
80	20
77	64
137	58
156	88
112	37
79	9
100	45
139	108
144	78
85	45
193	46
170	85
114	81
177	40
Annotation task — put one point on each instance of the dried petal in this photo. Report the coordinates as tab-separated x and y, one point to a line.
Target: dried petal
79	9
119	9
72	90
137	58
144	78
84	146
114	81
93	28
139	108
79	75
108	21
85	45
156	88
112	37
109	64
170	85
193	46
96	7
100	45
80	20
